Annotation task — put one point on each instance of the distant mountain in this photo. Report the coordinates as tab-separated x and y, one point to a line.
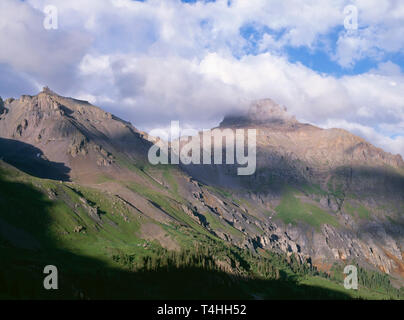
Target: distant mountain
319	198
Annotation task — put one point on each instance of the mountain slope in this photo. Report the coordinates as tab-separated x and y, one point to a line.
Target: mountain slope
335	196
94	240
318	196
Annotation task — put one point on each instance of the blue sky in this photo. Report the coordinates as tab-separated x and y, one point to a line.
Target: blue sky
155	61
319	57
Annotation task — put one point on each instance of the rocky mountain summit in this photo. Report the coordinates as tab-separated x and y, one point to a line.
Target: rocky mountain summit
320	195
262	113
71	131
280	130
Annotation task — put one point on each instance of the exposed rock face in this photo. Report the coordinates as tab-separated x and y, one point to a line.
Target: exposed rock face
70	131
281	132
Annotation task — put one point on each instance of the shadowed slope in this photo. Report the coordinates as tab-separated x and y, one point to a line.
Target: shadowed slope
31	160
85	277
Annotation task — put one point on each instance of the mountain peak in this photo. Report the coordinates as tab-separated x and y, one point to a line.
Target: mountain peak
267	110
260	112
48	91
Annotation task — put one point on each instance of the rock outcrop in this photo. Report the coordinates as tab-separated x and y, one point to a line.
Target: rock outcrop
261	112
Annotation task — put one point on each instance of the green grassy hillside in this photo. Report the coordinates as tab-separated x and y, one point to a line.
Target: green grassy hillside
96	242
